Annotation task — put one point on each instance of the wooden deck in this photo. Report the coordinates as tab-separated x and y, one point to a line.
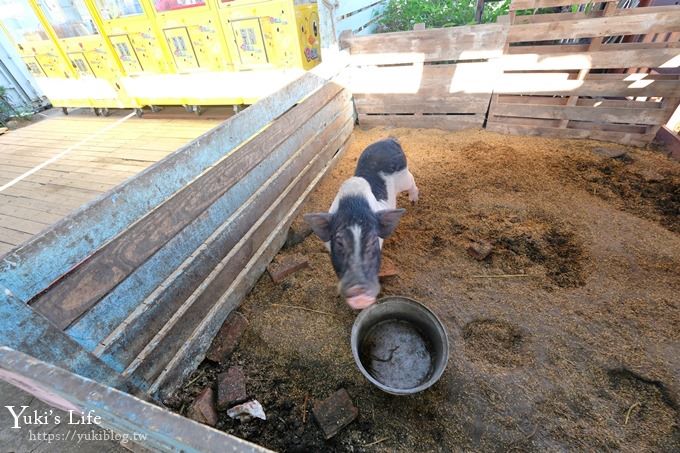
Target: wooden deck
52	167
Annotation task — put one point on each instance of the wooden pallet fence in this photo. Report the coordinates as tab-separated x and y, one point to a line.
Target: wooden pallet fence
137	294
436	78
564	75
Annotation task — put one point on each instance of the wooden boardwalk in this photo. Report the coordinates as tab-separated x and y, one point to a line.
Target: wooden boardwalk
52	167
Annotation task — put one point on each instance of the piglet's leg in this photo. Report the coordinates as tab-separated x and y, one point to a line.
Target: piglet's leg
412	188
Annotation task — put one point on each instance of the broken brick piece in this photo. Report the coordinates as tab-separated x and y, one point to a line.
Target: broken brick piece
480	249
612	153
387	268
202	409
287	266
297	233
334	413
227	338
231	388
651	175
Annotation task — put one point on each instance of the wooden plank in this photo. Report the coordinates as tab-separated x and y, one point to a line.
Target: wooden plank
661	58
91	166
77	291
558	17
616	137
231	270
632	77
412	103
121	412
23	225
42	206
193	351
566	112
563	48
185	286
5	247
552	100
554	17
595	44
94	179
56	191
24	330
539	122
610	127
13	237
60	201
40	262
454	43
445	122
620	103
557	84
517	5
7	168
34	215
457	88
83	169
668	21
425	80
155	289
73	183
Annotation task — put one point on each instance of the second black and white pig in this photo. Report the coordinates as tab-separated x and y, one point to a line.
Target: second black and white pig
364	213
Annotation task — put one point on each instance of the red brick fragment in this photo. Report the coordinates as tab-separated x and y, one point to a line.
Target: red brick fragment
387	268
287	266
612	153
297	233
231	388
480	249
227	338
202	409
334	413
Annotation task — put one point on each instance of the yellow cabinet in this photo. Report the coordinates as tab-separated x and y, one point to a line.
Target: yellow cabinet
181	48
134	35
249	41
193	34
126	53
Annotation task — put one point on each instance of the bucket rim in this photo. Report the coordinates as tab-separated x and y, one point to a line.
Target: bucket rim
439	326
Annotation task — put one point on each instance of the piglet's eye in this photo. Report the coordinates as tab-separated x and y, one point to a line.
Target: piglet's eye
338	242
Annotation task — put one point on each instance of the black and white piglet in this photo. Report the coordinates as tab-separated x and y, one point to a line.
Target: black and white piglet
364	213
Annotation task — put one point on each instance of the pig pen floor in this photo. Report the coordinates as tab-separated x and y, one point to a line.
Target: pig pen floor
566	338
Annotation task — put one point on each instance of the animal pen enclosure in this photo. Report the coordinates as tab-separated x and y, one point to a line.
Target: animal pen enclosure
586	88
131	289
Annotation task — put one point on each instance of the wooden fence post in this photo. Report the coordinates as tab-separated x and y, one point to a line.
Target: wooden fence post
595	44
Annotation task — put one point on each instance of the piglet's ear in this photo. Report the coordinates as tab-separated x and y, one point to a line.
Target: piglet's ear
388	220
319	222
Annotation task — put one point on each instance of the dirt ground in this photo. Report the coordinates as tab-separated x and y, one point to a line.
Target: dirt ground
566	338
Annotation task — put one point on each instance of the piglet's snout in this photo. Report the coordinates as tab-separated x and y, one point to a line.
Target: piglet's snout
359	296
354	291
360	302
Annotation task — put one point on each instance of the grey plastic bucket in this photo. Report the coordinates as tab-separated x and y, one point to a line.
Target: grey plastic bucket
400	345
